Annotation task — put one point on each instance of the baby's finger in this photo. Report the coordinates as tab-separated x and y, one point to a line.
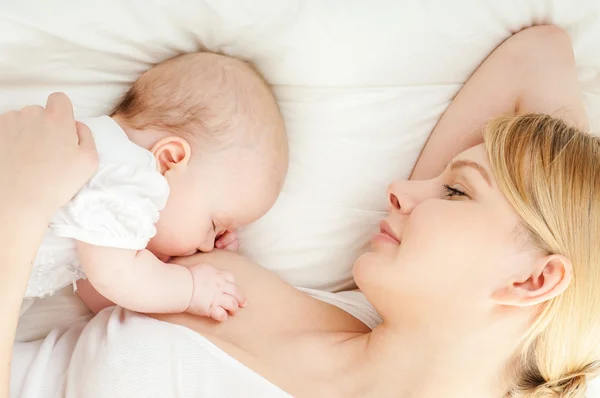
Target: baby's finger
228	276
59	106
227	302
225	239
233	246
218	314
234	292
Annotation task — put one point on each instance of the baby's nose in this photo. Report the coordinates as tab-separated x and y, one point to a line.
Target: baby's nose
207	245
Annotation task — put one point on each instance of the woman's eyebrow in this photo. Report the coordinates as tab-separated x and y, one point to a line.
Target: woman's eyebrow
457	164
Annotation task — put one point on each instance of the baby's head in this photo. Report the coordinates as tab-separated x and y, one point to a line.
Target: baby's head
215	130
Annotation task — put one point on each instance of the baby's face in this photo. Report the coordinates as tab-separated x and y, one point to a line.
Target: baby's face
204	203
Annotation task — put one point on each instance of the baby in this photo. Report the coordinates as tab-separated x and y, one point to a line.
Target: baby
195	150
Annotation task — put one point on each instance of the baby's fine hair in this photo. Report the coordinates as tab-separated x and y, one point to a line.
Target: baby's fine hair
214	99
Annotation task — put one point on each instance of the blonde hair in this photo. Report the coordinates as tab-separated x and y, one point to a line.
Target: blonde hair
550	174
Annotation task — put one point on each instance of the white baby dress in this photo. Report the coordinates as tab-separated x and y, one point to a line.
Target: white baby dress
117	207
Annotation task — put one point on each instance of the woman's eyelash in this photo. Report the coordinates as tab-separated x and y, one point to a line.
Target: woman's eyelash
453	191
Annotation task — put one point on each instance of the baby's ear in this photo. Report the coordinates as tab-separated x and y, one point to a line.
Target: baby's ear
171	152
548	278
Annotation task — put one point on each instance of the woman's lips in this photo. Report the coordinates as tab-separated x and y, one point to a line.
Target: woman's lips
386	234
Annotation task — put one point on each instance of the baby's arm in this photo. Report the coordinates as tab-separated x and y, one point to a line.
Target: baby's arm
136	280
97	302
90	296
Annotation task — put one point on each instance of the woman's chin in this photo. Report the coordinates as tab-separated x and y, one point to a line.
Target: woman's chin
363	266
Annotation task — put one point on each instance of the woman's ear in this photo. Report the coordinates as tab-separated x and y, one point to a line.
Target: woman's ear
548	278
171	152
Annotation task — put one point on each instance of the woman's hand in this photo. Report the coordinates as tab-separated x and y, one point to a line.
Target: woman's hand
45	155
45	158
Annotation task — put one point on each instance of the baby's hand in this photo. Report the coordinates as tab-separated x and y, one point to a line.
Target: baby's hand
228	241
215	294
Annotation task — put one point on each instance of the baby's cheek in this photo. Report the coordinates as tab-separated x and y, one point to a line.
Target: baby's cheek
174	244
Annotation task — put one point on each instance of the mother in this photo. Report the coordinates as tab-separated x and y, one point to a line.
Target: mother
485	272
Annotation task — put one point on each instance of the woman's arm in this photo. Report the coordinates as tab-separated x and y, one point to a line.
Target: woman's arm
532	71
21	231
45	157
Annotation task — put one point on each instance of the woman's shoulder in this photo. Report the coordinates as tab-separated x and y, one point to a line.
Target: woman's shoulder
244	269
219	257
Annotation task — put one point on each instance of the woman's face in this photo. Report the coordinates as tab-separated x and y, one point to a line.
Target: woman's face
447	245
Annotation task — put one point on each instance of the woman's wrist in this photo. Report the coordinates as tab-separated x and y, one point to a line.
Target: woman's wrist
23	220
30	209
22	227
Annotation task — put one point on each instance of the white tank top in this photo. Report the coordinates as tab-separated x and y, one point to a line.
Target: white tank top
123	354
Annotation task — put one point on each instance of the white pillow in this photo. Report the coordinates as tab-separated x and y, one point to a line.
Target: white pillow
361	84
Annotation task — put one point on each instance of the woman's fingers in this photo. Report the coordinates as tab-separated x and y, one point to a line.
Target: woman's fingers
32	111
59	107
87	143
50	156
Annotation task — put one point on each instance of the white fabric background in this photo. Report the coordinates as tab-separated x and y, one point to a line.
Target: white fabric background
360	83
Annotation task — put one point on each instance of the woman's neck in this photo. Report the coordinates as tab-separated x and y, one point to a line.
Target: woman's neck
396	362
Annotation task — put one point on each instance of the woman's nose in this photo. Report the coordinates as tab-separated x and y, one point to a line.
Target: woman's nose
404	196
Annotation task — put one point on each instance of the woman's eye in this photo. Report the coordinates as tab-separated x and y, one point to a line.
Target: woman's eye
451	191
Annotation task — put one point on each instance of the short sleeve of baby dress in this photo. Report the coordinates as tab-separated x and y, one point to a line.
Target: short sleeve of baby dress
119	206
